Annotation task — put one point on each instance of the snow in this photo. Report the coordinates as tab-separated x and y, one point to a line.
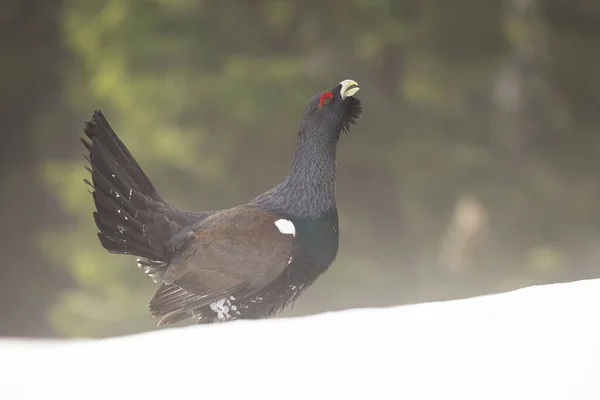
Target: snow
535	343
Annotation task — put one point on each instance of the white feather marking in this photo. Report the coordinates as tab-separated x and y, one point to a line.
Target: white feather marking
286	227
290	260
221	307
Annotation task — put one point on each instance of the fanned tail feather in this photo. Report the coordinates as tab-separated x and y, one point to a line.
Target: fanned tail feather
130	215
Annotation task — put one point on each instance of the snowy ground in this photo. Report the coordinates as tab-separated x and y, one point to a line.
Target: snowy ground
535	343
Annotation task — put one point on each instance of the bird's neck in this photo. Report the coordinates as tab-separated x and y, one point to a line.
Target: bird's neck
308	190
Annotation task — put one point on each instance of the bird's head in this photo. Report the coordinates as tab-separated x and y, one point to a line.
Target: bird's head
332	111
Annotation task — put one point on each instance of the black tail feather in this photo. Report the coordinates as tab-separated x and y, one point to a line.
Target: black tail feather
120	153
118	245
127	214
130	215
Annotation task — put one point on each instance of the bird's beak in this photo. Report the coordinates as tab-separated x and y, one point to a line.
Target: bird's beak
349	88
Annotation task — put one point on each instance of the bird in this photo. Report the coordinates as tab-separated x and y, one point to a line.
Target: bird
251	261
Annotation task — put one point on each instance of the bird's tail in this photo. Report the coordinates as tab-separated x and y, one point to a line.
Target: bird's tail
131	216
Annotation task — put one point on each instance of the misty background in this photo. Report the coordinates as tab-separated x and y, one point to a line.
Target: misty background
474	169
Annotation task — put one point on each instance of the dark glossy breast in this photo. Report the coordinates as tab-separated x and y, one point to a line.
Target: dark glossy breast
319	238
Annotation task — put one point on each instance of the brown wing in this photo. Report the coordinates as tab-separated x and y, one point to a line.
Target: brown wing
239	251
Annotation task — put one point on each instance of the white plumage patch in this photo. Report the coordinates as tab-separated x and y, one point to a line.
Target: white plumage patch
286	227
222	308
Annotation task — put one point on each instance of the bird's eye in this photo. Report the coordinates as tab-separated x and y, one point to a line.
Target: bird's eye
325	99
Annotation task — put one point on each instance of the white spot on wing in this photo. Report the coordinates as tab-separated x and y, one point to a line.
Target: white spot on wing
290	260
286	227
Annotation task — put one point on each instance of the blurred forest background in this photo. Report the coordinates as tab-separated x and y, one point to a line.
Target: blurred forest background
475	167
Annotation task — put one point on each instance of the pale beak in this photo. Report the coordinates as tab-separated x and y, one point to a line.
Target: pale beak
349	88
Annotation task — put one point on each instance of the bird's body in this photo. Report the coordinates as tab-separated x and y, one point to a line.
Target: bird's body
278	263
245	262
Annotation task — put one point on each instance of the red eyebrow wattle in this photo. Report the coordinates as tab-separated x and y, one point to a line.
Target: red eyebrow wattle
325	96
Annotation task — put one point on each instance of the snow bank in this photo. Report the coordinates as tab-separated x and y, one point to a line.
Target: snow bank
536	343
